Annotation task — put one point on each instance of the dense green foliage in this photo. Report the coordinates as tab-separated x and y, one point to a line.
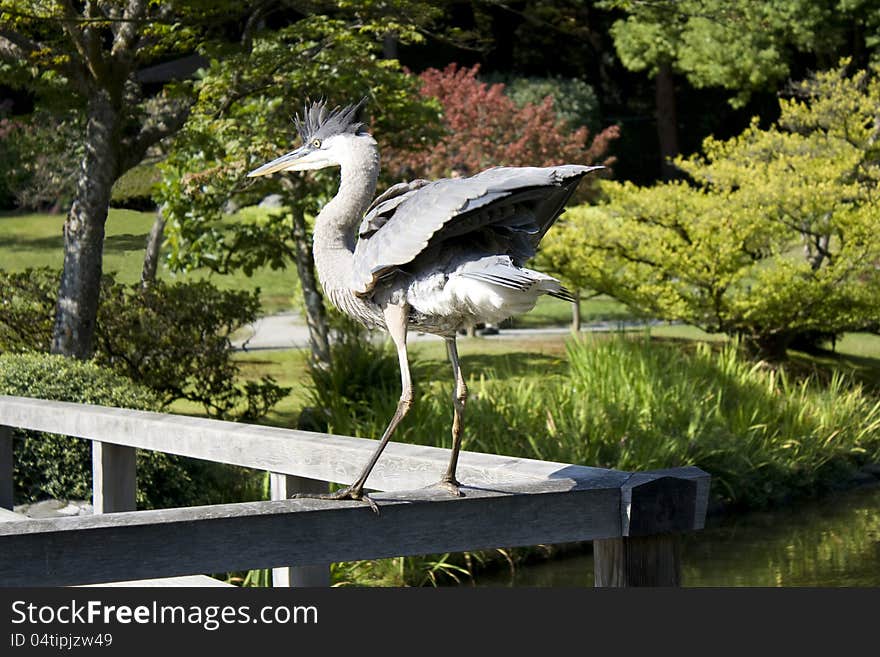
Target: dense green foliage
27	299
48	465
741	46
171	338
774	239
574	101
39	159
341	397
175	340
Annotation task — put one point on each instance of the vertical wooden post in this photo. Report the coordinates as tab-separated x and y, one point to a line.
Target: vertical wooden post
637	561
6	468
282	487
654	508
114	480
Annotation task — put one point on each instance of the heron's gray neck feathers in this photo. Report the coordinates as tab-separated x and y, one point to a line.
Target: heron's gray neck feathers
337	222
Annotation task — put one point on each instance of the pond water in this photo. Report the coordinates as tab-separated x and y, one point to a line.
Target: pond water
832	542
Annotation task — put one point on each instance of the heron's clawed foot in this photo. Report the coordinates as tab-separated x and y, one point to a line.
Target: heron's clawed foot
347	493
451	485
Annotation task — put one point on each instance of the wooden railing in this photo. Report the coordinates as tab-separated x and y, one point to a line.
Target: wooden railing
633	519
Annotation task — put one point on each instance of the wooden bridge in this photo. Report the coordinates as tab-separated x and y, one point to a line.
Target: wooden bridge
633	519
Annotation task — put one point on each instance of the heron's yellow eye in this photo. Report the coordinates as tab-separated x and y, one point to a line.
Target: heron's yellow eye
316	143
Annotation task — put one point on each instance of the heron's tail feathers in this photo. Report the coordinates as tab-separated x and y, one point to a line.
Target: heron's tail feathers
516	289
562	293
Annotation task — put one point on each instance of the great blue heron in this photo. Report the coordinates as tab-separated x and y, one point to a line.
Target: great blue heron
434	256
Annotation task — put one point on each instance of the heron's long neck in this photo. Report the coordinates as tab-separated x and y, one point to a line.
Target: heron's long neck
336	224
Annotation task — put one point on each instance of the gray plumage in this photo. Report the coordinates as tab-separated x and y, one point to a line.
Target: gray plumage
507	209
435	256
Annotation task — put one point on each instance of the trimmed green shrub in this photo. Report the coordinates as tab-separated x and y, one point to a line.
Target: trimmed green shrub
172	338
134	190
27	309
50	465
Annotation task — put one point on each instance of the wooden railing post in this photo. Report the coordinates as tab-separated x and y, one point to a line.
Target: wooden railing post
637	561
6	468
114	481
654	508
282	487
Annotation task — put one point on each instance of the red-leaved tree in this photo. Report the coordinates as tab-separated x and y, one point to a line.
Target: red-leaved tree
483	128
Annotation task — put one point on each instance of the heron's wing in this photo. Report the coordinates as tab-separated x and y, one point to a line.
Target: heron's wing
384	205
518	204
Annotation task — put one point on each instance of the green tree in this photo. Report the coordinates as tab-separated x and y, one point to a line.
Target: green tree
774	239
574	101
243	118
742	46
43	165
561	254
93	57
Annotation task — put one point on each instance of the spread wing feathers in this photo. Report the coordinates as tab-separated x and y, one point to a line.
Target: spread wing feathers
518	203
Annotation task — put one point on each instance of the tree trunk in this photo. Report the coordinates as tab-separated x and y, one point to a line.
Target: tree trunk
151	253
80	287
389	46
576	312
316	314
667	121
772	348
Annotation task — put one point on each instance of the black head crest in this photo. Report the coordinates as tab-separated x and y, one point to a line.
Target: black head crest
317	122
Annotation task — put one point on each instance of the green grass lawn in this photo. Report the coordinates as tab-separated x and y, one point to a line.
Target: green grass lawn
289	369
428	359
36	240
857	354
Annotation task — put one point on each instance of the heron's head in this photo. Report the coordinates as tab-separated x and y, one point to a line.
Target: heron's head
328	137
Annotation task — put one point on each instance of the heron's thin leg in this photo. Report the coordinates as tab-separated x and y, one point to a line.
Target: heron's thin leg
395	320
459	397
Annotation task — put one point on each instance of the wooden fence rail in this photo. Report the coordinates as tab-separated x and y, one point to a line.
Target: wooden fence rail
633	518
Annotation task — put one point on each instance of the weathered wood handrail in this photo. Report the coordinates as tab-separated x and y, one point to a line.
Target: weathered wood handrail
325	457
509	502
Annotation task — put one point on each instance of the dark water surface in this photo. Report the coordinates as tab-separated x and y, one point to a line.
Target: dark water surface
831	542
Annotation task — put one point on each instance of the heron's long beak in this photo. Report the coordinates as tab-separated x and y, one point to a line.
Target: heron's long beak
302	159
